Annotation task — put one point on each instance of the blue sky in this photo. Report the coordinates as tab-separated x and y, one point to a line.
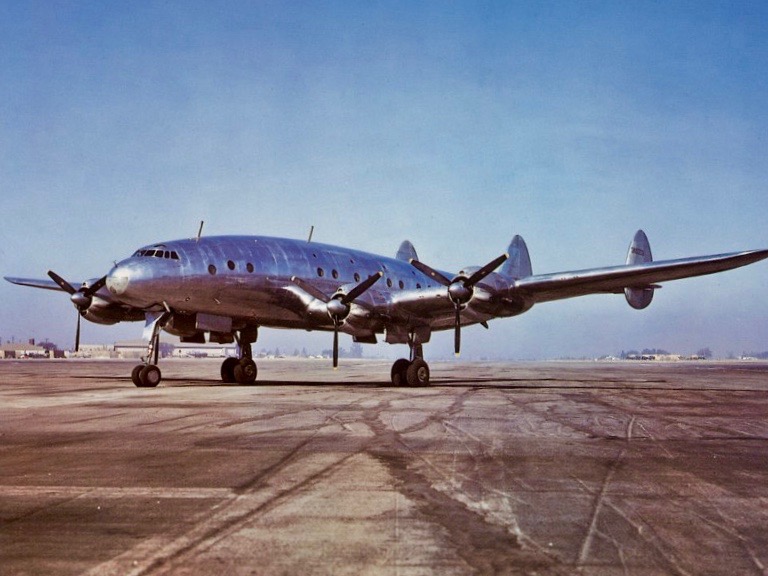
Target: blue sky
453	124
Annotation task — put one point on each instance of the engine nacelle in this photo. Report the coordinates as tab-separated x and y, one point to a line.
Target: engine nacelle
102	312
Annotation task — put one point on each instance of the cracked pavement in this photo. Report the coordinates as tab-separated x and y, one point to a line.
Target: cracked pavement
522	468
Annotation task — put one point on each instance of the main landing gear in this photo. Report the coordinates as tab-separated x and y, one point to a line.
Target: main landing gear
414	372
243	369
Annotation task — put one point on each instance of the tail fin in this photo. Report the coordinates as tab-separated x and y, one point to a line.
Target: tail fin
406	252
639	252
519	263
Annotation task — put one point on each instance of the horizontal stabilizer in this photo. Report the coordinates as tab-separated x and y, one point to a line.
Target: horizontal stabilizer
547	287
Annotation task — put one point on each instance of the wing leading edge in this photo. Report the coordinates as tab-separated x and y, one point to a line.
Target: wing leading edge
35	283
614	279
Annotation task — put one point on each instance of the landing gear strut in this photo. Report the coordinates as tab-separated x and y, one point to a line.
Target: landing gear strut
148	375
242	369
414	372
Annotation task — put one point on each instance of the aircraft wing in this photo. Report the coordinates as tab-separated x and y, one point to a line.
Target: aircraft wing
547	287
34	283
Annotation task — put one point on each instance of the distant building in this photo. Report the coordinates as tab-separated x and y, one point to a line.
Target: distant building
138	348
22	350
192	350
94	351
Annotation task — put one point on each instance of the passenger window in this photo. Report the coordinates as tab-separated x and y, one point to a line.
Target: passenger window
249	267
230	265
334	273
211	269
320	272
401	284
357	277
389	282
418	286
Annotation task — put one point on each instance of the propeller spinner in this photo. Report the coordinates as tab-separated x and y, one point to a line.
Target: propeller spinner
81	298
460	289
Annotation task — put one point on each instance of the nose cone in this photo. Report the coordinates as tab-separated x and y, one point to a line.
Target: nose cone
118	280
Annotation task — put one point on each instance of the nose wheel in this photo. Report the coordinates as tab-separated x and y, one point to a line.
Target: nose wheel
146	375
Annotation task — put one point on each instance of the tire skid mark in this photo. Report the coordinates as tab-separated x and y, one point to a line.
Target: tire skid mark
478	534
160	554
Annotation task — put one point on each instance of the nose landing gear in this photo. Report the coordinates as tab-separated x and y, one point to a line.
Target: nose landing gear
148	375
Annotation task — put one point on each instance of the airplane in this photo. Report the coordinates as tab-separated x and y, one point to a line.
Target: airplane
225	288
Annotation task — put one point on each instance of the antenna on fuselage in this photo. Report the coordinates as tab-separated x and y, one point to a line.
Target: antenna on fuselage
200	231
311	230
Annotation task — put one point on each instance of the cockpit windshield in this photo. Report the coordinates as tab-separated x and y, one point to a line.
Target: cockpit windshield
157	253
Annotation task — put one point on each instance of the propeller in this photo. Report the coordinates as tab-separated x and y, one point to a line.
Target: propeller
338	305
81	297
460	289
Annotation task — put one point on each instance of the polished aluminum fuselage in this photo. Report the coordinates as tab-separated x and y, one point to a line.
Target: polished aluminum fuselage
249	279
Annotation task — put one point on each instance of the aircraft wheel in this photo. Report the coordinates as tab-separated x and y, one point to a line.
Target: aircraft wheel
245	371
135	378
228	370
418	373
399	370
150	376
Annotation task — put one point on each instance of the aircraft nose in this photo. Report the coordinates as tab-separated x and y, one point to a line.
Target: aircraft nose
118	280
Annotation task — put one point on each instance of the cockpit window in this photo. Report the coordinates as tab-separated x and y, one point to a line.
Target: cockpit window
172	254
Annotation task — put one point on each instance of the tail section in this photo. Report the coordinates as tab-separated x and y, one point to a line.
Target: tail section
639	252
519	263
406	252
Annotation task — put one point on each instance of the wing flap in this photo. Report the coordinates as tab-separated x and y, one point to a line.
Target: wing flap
547	287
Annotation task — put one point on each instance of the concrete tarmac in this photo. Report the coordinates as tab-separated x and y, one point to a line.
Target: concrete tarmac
526	468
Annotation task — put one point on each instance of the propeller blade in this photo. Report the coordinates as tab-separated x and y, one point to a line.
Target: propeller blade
66	286
96	286
485	270
310	289
432	273
457	332
335	345
77	334
361	288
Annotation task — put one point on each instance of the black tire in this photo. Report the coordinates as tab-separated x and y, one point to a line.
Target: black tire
228	370
418	373
245	372
135	378
399	372
150	376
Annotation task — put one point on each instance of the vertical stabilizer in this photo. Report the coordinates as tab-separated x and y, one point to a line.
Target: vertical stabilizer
639	252
406	252
519	263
